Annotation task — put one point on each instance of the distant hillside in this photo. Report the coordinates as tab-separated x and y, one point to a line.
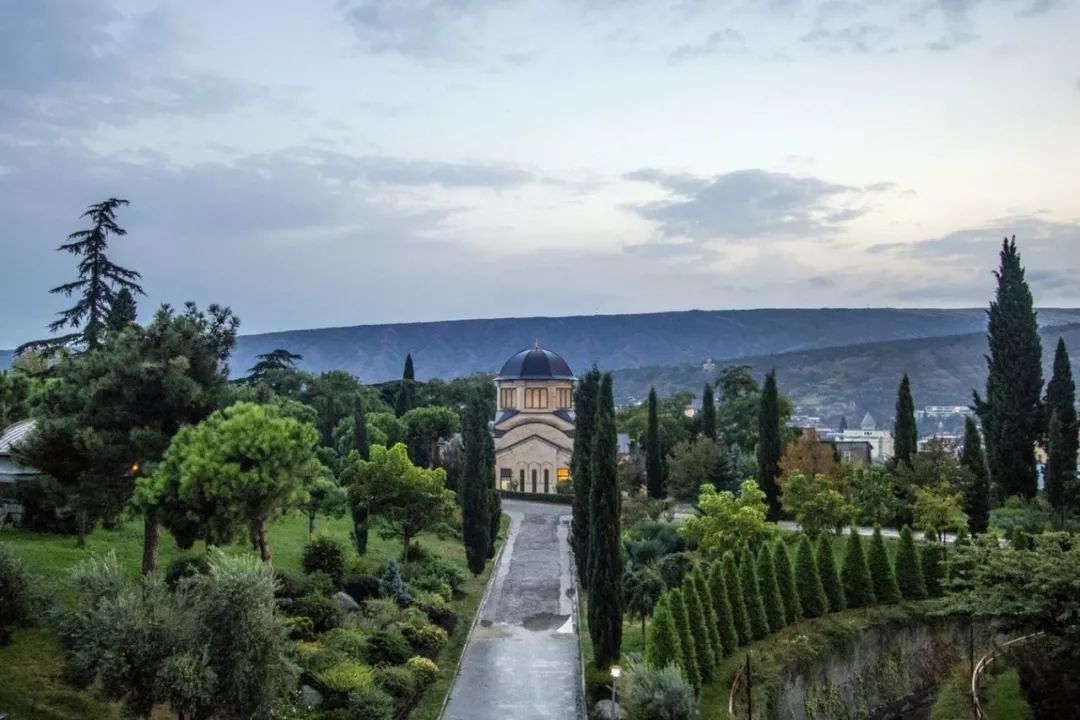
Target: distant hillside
851	380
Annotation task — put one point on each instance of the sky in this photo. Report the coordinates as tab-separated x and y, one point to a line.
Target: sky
344	162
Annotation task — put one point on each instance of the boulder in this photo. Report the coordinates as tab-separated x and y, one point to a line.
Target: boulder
608	710
346	603
310	697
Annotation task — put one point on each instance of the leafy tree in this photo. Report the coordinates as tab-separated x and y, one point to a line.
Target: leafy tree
882	577
809	456
814	503
424	427
333	394
663	646
909	572
830	581
712	620
477	477
933	567
325	496
736	598
726	521
812	598
855	574
585	399
785	580
1012	416
360	430
769	445
689	660
699	461
122	311
1063	433
937	510
708	413
654	461
755	608
977	494
642	588
97	285
872	493
770	589
406	395
703	648
905	431
278	360
605	560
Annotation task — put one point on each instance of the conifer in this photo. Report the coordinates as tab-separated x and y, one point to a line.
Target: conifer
785	578
585	397
1062	433
770	446
708	413
688	661
905	431
812	597
755	608
729	636
882	576
605	544
830	581
933	567
960	561
662	645
654	459
770	590
977	495
712	621
909	572
736	598
858	585
695	611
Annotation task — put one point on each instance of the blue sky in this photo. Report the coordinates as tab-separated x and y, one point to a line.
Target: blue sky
347	162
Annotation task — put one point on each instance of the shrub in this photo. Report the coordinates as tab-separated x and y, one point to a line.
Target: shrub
933	566
426	640
300	627
785	579
324	613
348	641
437	569
855	574
662	644
417	554
184	566
695	612
289	584
370	704
392	585
881	571
15	598
735	598
729	637
712	620
345	677
437	610
770	589
909	572
659	694
382	611
755	607
673	568
643	552
397	682
812	597
830	581
323	658
324	554
432	584
688	662
663	533
414	617
361	586
423	669
305	651
387	647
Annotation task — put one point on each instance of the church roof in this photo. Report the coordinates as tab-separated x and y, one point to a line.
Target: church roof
868	422
536	363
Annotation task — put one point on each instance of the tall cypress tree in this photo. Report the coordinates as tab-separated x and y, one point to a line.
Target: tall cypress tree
122	311
736	598
905	431
1012	416
785	578
662	645
770	589
585	398
933	567
830	581
688	662
769	449
909	572
729	636
755	608
712	620
475	516
882	576
360	435
977	495
811	593
695	611
406	397
855	574
605	558
708	413
654	460
494	504
1062	433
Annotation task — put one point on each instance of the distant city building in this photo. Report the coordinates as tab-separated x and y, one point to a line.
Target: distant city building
881	441
939	412
805	421
857	452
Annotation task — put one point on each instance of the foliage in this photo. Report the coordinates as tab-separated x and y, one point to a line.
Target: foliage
183	567
325	496
812	598
654	459
324	613
15	594
426	640
324	554
933	567
872	492
605	559
708	413
585	398
830	581
814	502
855	573
961	564
276	360
423	669
663	645
425	426
659	693
397	682
905	432
696	462
477	475
688	660
392	585
977	493
369	703
712	621
15	390
1063	432
909	572
937	510
494	507
755	607
882	577
729	521
785	580
718	593
642	588
387	646
345	677
769	444
704	651
811	457
736	598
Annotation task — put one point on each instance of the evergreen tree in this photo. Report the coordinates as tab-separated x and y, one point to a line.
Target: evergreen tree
909	572
960	561
273	361
1062	433
843	423
882	577
905	431
695	611
359	511
770	590
494	504
122	312
812	596
654	460
1012	416
977	497
755	608
662	645
605	558
475	482
933	567
406	395
785	579
712	620
688	661
708	413
581	469
360	436
729	636
736	599
858	585
830	581
770	448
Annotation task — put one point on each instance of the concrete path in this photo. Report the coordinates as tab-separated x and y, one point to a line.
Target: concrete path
790	526
522	661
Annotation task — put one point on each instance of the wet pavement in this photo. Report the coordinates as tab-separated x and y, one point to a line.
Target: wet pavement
522	661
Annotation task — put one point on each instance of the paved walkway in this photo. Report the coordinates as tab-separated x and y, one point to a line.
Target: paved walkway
790	526
522	661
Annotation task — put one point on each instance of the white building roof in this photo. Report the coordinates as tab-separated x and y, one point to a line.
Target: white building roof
13	434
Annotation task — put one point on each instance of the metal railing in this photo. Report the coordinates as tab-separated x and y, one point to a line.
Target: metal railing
985	662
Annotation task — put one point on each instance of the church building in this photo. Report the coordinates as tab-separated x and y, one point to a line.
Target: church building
534	423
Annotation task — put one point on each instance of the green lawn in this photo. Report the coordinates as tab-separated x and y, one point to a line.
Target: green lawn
32	663
1004	699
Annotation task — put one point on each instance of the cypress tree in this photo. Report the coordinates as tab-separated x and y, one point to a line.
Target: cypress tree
122	311
654	461
605	557
494	515
475	516
729	636
406	397
909	572
905	431
1012	416
1062	432
960	561
662	645
881	571
785	578
933	567
843	423
360	436
755	608
769	449
708	413
736	598
712	621
770	589
977	497
812	597
830	581
855	574
581	470
688	661
695	611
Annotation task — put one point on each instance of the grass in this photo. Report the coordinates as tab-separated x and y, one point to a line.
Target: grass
32	687
1004	699
953	700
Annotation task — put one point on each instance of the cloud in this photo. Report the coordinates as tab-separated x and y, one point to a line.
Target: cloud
727	41
424	29
861	38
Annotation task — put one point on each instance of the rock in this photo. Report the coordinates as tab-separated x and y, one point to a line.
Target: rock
607	710
310	697
346	603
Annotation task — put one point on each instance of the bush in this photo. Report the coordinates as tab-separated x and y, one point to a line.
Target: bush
438	569
324	554
432	584
382	612
644	552
387	647
663	533
392	585
659	694
427	640
348	641
324	613
320	658
361	587
290	585
673	568
345	677
416	553
423	669
300	627
183	567
15	598
437	610
397	682
370	704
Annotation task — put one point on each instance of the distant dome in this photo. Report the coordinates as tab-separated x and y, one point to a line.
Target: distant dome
536	364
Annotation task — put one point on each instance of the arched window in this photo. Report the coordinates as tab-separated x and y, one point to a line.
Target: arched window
547	480
534	480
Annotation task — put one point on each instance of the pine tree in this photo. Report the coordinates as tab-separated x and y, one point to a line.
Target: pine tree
1062	433
1012	416
475	517
736	599
855	574
770	590
755	608
688	661
830	581
785	578
909	572
581	469
729	636
605	558
882	577
843	423
933	567
662	645
695	611
905	431
977	496
708	413
812	597
654	460
122	312
770	448
712	621
406	395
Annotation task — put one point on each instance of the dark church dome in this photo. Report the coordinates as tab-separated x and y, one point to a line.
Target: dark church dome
536	364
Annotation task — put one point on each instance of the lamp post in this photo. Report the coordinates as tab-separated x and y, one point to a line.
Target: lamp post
616	671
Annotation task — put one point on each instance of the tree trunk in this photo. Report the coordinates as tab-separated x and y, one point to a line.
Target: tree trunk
644	638
264	547
80	528
311	521
150	544
405	550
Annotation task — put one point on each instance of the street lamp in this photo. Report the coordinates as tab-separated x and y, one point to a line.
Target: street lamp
616	671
